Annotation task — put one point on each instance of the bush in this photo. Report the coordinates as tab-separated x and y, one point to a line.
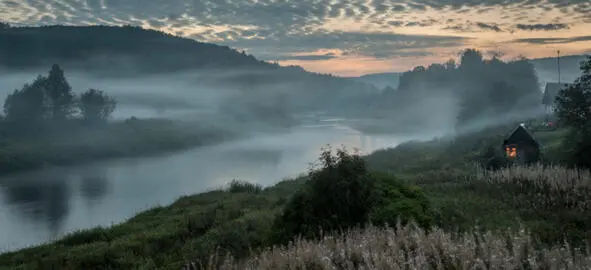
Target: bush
396	202
343	194
237	186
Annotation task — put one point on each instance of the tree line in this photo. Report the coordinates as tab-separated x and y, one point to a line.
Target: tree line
483	88
51	99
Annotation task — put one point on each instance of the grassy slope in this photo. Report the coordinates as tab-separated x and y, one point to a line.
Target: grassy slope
191	227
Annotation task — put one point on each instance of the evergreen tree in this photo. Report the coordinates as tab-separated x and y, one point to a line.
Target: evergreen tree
59	93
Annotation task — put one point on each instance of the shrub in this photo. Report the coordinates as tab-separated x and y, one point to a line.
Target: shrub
343	194
244	186
396	202
336	196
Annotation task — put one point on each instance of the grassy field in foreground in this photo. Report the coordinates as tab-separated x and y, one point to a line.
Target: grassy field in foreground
553	203
410	247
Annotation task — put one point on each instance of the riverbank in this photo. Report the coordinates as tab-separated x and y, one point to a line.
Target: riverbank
81	144
237	219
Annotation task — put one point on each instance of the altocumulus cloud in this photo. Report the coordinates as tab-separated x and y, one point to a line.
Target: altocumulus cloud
542	26
285	30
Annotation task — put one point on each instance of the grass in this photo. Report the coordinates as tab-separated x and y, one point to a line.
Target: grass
410	247
77	144
235	219
475	212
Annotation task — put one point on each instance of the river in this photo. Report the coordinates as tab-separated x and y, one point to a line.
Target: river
40	206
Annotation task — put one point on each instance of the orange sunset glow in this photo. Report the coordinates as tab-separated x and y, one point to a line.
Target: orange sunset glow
349	37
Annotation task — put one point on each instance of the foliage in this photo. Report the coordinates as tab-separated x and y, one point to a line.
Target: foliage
349	184
60	94
357	196
237	186
573	109
397	202
52	98
96	106
27	106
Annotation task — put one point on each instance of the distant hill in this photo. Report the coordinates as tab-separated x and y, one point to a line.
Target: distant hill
380	80
132	52
104	48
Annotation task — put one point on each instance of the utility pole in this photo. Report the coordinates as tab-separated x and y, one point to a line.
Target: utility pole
558	68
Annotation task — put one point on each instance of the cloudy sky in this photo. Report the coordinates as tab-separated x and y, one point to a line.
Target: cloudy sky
344	37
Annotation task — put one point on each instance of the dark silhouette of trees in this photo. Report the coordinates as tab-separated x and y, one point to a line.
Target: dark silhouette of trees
59	93
483	88
573	109
49	101
96	106
27	105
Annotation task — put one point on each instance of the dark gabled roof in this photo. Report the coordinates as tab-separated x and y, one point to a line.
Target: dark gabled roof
521	135
551	91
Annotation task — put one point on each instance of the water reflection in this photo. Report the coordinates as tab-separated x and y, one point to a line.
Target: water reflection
94	184
45	202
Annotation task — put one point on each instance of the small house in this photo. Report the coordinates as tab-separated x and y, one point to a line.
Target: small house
521	147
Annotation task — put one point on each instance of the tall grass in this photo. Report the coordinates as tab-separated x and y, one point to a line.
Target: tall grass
547	186
410	247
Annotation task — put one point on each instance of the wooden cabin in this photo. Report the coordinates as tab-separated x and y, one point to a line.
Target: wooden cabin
521	147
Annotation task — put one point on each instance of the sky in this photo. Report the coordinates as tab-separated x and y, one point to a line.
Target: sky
342	37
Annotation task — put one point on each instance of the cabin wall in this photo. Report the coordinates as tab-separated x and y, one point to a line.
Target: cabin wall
526	154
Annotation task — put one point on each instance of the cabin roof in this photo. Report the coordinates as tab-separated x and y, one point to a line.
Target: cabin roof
521	135
551	91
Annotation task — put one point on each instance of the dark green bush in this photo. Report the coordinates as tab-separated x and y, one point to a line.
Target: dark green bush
244	186
343	194
395	201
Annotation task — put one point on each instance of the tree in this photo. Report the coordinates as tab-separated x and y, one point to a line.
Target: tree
471	58
343	194
28	105
96	106
573	109
4	25
59	93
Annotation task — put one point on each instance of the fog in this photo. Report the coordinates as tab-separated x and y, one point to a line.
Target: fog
164	95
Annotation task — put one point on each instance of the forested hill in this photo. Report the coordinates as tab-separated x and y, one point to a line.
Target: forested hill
129	52
107	47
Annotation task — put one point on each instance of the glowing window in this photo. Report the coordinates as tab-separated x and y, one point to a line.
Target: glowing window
511	152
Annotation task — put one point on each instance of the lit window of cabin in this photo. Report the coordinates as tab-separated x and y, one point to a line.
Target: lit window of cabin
511	151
